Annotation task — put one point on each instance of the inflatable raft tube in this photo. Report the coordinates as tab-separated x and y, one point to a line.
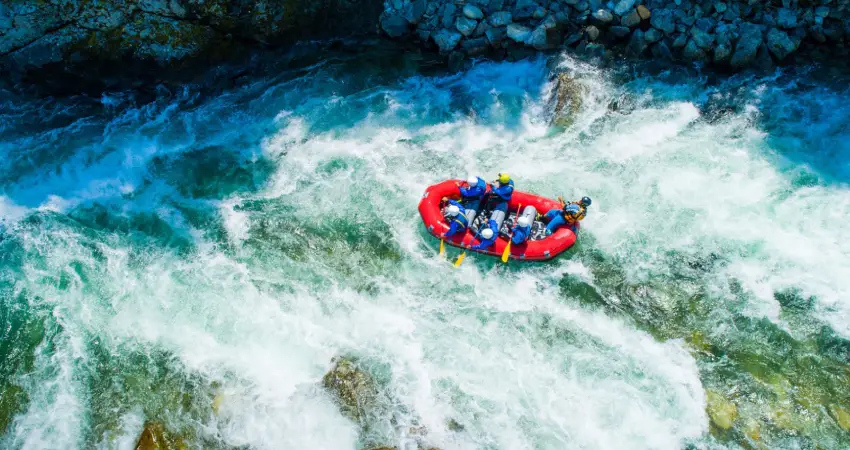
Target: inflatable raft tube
540	249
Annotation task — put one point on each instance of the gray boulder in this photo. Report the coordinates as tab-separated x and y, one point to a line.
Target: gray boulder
786	18
394	25
474	47
702	39
623	6
465	25
705	24
446	40
573	39
637	44
449	11
562	18
603	16
722	54
662	51
631	20
500	18
518	33
496	35
746	48
822	11
723	34
720	7
652	35
693	52
619	32
538	39
473	12
481	29
663	20
680	41
643	12
548	23
779	44
455	65
539	13
592	33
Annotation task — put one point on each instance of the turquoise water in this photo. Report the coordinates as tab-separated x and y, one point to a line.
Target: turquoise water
197	259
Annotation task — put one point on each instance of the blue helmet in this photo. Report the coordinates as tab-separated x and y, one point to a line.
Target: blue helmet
585	201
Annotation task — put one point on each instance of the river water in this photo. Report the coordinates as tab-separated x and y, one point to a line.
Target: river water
198	259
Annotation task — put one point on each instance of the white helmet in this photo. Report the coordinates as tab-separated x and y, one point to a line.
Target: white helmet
472	180
522	221
486	233
452	210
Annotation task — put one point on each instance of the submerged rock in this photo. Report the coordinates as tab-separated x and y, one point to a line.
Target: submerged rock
841	416
722	411
568	100
155	437
353	388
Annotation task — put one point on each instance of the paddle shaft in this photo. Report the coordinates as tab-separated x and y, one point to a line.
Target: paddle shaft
511	238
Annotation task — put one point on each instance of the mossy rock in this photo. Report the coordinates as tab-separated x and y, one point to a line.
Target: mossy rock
841	416
353	388
722	411
155	437
568	100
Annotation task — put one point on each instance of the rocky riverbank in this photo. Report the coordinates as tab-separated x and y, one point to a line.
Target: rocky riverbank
85	45
67	45
731	34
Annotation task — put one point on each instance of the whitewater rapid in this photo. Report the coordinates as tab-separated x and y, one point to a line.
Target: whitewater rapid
222	249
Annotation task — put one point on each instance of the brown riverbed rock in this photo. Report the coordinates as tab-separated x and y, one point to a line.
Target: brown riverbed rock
155	437
567	99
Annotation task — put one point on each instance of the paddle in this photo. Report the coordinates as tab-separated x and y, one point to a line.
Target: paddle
442	247
508	247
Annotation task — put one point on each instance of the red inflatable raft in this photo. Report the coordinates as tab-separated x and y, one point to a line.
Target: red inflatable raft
540	249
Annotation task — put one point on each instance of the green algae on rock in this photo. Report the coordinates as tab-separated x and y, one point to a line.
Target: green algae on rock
722	411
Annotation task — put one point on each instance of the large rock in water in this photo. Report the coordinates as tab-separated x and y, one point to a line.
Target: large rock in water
721	411
154	437
353	389
567	99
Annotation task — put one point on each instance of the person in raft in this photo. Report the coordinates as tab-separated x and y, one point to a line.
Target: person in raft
456	217
487	237
521	231
472	195
568	216
503	189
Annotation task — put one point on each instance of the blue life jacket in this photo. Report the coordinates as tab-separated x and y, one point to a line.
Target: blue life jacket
505	191
484	244
458	222
521	234
474	192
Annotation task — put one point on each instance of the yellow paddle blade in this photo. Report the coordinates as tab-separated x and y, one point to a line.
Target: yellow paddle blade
442	247
460	259
506	252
